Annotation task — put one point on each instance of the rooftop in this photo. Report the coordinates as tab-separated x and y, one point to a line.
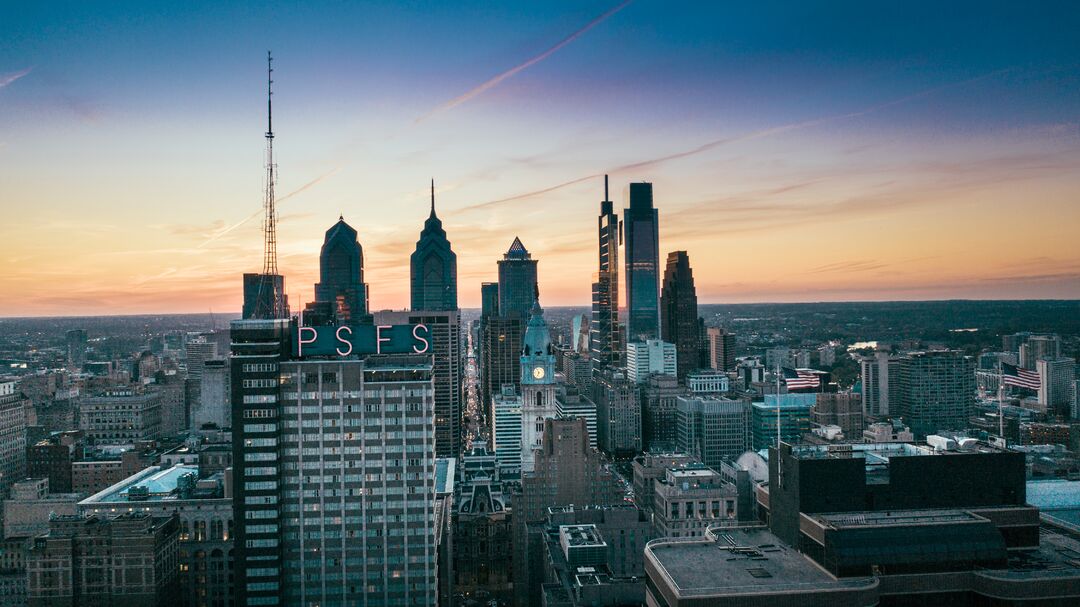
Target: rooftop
745	560
580	535
885	518
160	484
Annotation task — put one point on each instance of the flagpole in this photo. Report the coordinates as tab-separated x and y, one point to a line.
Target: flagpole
1001	408
778	408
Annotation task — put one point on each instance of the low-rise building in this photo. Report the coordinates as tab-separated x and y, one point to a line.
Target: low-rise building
688	500
31	505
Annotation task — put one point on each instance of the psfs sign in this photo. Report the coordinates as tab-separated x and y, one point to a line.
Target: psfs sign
360	339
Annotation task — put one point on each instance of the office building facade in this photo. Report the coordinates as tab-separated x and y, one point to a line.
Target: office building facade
679	322
433	267
517	282
641	238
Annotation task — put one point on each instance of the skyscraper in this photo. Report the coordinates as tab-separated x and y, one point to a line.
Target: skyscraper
641	235
645	358
937	391
1057	382
721	349
444	327
678	312
489	299
618	413
1037	347
433	267
517	282
880	384
712	428
605	344
500	355
341	290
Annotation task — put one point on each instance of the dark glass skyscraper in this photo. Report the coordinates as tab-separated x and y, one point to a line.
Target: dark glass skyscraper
517	282
642	237
433	267
489	299
678	313
341	276
605	345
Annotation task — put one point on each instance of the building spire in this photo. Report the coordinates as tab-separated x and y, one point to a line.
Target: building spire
605	188
270	218
432	197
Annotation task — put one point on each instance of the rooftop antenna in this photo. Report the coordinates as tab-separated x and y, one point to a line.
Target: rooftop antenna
270	219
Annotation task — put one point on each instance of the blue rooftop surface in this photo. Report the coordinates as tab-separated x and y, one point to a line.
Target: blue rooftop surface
1057	499
787	401
160	483
445	469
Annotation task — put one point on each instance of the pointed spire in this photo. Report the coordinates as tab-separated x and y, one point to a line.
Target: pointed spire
432	197
605	188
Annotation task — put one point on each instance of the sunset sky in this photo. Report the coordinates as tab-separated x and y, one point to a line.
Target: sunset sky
864	151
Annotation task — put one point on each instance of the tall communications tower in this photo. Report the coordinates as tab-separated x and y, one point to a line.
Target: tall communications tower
264	294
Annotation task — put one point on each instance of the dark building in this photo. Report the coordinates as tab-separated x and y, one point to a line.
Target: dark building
517	282
341	283
76	347
489	299
641	235
131	559
658	424
51	459
258	348
264	297
482	528
433	267
891	525
679	323
566	471
605	344
881	477
937	391
500	355
618	414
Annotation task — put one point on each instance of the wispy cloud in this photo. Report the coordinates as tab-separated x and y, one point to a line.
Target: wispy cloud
6	79
222	232
749	136
493	82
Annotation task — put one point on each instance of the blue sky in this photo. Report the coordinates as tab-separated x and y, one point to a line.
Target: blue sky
906	134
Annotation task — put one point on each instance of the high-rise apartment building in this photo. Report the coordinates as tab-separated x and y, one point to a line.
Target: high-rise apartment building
937	391
1037	347
605	341
433	267
650	357
880	384
679	322
641	238
444	328
1057	384
721	348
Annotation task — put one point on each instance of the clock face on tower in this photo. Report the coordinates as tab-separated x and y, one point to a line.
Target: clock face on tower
538	372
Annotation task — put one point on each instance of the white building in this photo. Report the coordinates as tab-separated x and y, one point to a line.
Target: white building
648	357
1058	381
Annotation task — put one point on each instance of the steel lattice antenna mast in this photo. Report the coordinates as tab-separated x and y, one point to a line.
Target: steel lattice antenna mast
270	220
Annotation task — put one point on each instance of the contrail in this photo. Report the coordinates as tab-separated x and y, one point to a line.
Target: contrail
514	70
228	229
759	134
7	79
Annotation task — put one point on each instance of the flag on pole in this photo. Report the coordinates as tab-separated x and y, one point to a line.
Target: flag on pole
1011	375
796	379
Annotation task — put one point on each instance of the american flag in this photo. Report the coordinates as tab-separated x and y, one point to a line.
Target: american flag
796	379
1011	375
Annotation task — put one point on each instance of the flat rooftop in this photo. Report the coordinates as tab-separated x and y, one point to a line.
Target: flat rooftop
1058	501
880	453
898	518
580	535
739	561
159	482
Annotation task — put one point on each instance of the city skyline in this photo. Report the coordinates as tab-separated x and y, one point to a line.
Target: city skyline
793	158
